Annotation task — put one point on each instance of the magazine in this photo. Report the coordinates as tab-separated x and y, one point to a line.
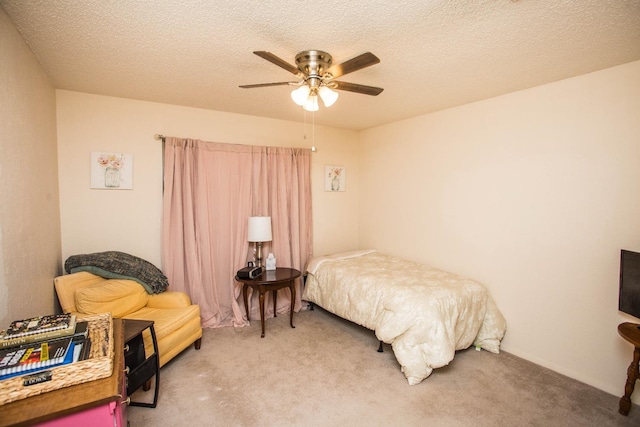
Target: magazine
34	355
80	328
40	325
35	369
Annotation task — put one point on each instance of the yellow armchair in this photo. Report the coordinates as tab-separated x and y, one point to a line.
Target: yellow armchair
169	300
176	320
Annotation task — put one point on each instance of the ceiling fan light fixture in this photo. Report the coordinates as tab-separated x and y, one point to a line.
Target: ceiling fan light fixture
300	95
312	103
329	97
316	73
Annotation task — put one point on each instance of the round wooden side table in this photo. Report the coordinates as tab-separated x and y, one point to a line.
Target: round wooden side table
271	280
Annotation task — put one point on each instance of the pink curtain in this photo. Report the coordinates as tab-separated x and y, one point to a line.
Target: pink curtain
210	191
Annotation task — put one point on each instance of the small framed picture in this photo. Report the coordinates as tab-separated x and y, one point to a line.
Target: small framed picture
111	171
335	178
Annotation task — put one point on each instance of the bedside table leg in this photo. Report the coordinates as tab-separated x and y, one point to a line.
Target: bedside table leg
275	300
262	312
246	301
293	301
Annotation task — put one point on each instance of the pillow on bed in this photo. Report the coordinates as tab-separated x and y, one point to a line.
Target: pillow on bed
119	297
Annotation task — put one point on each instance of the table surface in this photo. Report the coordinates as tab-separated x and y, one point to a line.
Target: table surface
630	332
68	400
133	327
279	275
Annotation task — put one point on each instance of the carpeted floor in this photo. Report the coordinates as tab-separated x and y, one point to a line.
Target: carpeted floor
326	372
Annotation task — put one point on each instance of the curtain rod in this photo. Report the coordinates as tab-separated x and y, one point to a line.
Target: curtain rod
160	137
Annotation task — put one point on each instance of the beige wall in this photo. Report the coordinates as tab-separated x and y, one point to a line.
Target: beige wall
29	214
534	194
130	220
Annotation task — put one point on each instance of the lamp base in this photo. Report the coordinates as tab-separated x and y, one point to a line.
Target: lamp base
258	249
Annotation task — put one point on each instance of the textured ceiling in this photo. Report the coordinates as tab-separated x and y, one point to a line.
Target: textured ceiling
434	54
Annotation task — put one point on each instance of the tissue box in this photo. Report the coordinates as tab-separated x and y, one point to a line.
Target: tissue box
271	262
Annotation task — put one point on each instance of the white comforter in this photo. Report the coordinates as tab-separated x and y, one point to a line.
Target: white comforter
424	313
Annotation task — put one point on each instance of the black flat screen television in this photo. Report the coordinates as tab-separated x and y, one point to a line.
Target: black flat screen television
629	296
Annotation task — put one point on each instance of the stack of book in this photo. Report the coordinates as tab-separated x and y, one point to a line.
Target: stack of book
32	345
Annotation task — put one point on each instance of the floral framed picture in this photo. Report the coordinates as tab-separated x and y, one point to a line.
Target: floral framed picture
335	178
111	171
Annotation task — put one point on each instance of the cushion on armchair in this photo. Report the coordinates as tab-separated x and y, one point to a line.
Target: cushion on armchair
119	297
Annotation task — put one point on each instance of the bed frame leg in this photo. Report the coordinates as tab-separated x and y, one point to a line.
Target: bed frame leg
311	306
380	349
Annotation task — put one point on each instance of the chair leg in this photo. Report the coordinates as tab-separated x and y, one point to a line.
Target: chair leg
197	343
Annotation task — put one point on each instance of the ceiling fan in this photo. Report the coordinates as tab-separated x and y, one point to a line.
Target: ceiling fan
316	73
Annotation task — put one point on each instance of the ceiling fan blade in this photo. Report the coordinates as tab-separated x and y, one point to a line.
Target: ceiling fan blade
267	84
279	62
353	87
353	64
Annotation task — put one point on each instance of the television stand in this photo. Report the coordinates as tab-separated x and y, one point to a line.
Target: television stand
630	332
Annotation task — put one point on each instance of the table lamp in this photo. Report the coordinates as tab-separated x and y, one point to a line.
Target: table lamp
259	231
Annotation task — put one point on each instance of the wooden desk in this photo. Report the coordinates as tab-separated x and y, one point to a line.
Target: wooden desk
71	400
631	333
271	280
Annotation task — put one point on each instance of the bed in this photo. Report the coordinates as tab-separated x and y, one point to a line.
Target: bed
425	314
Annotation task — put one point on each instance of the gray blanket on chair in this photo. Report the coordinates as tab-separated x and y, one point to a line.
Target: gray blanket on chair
119	265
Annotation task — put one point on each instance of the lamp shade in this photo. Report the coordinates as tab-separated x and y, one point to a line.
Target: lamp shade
312	103
259	229
328	96
300	95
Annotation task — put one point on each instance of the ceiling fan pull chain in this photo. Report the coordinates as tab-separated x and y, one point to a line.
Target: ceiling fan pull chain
313	131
